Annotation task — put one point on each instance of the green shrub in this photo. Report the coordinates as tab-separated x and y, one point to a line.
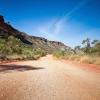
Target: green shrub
12	48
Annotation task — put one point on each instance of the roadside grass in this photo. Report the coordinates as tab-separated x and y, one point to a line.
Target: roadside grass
89	59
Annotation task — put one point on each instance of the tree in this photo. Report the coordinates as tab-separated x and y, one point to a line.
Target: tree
97	47
94	42
77	48
87	45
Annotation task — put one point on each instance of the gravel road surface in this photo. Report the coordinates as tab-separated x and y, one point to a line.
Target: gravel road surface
49	79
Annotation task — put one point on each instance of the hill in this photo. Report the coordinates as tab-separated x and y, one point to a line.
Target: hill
13	42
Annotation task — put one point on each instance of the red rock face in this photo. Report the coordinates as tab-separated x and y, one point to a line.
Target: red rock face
12	31
1	19
6	27
3	25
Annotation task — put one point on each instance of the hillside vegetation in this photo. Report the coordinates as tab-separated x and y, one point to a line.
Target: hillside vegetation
88	52
13	49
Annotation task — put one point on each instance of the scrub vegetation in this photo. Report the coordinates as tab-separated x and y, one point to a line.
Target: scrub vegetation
88	52
12	48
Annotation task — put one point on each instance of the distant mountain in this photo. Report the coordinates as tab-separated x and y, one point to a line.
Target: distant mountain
6	30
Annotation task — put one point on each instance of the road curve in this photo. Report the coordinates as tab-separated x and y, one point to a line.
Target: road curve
48	79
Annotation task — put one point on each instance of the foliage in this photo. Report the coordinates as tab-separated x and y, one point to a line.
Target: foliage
91	47
12	48
89	52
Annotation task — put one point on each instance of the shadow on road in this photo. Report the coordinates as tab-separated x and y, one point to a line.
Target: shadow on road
12	67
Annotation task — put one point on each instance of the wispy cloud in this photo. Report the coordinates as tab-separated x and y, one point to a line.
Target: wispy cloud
68	14
64	29
60	22
58	25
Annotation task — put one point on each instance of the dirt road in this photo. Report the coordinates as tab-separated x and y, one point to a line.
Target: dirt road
48	79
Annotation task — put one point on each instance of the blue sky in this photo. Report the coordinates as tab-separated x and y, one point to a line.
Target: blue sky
68	21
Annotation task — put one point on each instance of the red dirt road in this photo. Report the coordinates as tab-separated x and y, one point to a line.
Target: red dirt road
49	79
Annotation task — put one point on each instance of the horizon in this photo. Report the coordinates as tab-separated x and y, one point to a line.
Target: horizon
66	21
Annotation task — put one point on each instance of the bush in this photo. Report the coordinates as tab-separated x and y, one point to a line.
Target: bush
13	49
